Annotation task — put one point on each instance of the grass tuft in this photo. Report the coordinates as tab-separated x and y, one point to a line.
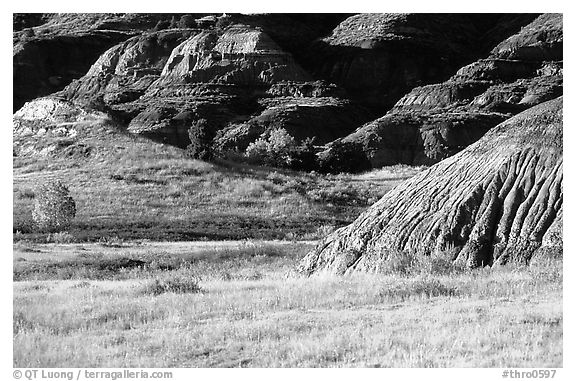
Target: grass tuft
420	287
170	283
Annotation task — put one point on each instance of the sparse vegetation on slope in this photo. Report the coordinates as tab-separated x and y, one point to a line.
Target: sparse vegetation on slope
133	188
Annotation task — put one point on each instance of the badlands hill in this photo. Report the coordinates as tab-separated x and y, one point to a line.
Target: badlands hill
499	200
370	90
390	88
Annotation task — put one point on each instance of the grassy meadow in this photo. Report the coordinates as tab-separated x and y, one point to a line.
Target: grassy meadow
173	262
131	188
237	304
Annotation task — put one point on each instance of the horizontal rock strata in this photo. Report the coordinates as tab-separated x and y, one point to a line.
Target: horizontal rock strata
435	121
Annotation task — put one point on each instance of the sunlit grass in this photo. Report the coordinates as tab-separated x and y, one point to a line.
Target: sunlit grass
147	190
249	311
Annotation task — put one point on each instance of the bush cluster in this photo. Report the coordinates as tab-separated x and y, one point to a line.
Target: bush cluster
280	149
201	136
54	208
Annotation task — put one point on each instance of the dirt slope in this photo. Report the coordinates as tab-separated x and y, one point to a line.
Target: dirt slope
497	201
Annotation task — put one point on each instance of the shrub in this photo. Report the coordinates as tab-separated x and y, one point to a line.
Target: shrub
321	232
258	151
399	262
111	241
304	156
437	264
340	193
280	149
415	288
201	137
274	150
54	208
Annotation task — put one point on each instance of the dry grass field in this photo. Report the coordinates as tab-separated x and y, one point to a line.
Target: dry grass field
237	304
126	287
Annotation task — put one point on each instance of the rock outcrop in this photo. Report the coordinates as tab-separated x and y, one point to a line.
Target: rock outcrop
160	83
435	121
377	58
48	126
58	48
215	77
322	76
500	200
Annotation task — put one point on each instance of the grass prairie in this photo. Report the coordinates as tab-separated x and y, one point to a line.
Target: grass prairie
173	262
237	304
129	187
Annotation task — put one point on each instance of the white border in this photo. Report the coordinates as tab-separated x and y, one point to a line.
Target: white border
491	6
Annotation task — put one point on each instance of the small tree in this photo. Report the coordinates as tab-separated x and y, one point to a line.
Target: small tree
304	156
257	151
201	137
54	208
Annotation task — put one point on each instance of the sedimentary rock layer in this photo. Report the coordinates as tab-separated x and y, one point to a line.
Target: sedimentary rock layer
432	122
312	75
377	58
58	48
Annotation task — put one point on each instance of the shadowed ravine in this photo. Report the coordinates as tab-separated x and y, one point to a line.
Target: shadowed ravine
500	200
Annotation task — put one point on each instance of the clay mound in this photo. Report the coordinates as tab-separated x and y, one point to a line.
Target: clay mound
158	80
420	138
500	200
124	72
159	83
48	126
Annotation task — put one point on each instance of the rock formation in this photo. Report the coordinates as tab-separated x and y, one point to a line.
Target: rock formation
57	48
500	200
161	82
377	58
435	121
49	126
322	76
